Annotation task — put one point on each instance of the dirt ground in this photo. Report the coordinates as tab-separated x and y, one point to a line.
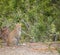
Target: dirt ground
29	49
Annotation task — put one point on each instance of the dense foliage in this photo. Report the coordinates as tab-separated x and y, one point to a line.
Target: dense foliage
39	18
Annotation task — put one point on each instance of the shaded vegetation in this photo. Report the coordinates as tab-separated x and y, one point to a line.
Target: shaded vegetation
40	18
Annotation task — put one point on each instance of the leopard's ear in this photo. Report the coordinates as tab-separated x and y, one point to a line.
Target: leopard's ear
18	24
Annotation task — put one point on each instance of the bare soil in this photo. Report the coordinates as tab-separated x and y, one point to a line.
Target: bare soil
29	49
